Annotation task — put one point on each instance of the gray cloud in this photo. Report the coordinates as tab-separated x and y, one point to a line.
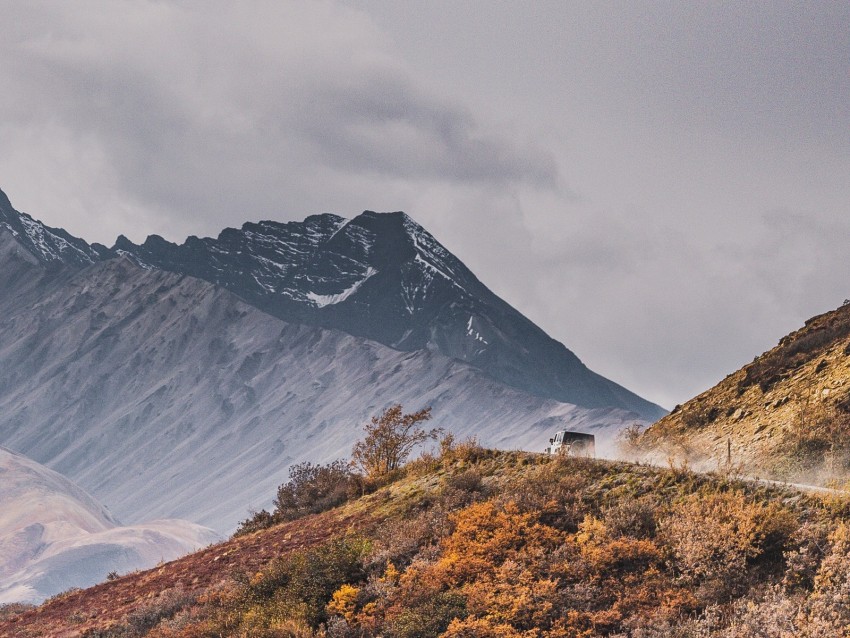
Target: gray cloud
192	113
382	124
661	186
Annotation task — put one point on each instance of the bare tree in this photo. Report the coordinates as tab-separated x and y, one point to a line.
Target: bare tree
390	439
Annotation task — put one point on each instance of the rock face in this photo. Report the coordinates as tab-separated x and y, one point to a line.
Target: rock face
53	535
51	246
785	415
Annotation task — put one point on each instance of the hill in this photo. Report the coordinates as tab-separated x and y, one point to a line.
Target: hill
785	415
502	544
54	536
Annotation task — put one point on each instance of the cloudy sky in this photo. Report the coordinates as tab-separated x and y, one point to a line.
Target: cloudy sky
663	186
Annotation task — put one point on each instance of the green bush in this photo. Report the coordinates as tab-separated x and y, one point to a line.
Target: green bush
311	489
315	488
302	583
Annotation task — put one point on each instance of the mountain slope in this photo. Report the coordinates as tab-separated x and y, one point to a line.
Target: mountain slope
786	414
54	536
166	396
384	277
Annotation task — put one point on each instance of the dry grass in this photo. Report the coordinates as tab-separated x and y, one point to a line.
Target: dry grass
786	415
479	542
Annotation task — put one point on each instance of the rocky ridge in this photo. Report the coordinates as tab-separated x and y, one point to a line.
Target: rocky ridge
380	276
786	414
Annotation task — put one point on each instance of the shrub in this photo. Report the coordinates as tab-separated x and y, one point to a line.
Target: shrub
480	628
429	616
828	610
466	451
315	488
390	439
289	597
468	481
255	522
555	492
629	439
164	606
715	537
311	489
147	616
10	610
631	517
402	539
810	543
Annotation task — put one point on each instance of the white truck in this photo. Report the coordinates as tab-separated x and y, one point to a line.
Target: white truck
568	443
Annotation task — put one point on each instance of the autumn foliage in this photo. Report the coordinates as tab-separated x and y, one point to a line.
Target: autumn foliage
389	440
476	543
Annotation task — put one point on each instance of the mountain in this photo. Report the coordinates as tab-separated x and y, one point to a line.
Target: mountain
379	276
785	415
51	246
54	536
166	396
384	277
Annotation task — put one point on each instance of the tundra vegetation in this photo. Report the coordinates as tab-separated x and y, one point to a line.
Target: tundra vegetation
387	443
470	542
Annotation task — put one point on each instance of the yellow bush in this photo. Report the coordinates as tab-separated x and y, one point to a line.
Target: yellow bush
482	628
344	602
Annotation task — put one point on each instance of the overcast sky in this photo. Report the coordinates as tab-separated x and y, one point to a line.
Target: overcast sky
662	186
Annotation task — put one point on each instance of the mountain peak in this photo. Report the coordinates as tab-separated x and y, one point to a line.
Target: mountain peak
5	204
396	221
387	226
381	276
53	246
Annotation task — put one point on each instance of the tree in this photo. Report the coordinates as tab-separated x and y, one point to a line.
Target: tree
390	439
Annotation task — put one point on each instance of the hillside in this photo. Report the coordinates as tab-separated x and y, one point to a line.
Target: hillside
785	415
165	396
502	544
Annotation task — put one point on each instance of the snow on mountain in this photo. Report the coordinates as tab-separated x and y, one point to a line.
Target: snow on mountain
326	300
166	396
50	245
53	535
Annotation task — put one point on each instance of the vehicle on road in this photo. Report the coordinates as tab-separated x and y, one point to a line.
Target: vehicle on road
568	443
